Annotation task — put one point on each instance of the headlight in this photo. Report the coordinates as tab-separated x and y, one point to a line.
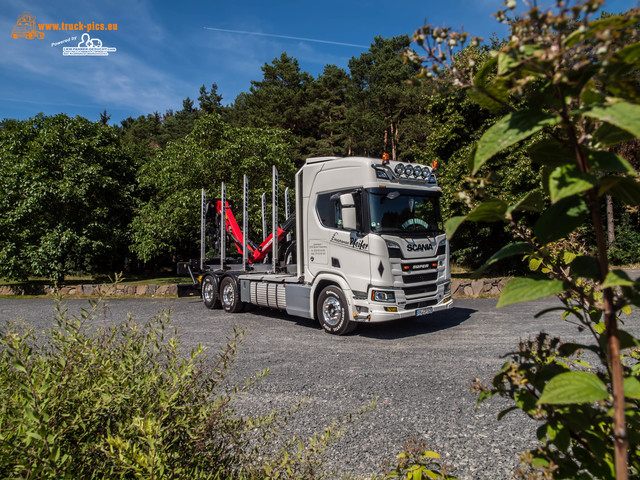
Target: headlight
408	170
383	296
394	249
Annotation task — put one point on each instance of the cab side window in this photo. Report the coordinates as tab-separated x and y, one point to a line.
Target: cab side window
329	209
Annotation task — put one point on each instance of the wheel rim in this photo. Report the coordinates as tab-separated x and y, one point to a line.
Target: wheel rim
207	292
331	311
228	295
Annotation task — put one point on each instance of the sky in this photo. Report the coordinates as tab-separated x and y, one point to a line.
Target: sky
163	51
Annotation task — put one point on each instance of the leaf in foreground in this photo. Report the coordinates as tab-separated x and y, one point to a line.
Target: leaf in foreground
526	289
573	387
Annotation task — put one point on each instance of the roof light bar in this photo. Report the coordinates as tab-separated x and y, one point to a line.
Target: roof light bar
415	171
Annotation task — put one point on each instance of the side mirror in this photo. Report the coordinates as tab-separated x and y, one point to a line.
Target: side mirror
348	205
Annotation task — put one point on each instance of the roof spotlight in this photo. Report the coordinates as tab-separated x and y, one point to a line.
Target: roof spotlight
425	172
408	170
417	171
399	169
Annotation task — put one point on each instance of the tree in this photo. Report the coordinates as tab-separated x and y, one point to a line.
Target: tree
378	97
326	111
143	136
210	102
567	77
178	125
105	117
167	226
66	201
278	101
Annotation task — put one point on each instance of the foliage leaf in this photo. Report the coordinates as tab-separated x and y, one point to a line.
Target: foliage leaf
630	55
622	114
611	22
610	162
573	388
607	135
617	278
531	202
509	130
585	266
568	180
480	79
524	289
632	388
452	225
552	153
560	219
510	250
489	211
623	188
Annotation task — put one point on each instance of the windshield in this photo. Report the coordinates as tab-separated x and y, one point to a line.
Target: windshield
404	212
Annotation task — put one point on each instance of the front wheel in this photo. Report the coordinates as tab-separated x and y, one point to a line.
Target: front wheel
230	296
333	312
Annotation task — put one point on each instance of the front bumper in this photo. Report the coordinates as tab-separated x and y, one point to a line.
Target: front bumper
374	312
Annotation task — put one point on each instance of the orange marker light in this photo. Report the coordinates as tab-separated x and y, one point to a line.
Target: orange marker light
385	158
435	164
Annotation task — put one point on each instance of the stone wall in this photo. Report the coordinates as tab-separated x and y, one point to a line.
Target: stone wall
92	290
488	287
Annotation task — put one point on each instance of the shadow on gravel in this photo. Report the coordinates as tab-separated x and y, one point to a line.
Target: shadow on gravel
411	327
408	327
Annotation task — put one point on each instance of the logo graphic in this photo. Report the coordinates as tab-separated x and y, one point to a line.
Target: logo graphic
26	27
88	47
419	247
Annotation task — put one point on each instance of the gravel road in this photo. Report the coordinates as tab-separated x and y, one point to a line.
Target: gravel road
420	370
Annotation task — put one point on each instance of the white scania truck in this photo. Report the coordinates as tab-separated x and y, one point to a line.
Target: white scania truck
365	244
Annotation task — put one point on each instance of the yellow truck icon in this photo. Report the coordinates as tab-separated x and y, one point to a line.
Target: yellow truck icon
26	27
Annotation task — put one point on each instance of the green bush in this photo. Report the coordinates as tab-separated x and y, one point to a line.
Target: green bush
626	249
575	438
126	402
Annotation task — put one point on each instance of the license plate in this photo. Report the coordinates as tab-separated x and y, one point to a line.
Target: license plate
424	311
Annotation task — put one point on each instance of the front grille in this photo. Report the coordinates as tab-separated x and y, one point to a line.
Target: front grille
425	303
442	249
423	277
420	290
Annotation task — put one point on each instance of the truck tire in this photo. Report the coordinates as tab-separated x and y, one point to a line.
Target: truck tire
209	291
332	311
230	295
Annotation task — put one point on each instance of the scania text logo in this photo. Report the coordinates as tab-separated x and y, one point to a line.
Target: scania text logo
419	247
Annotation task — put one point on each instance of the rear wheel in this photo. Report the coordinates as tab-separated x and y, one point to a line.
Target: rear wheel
210	292
332	311
230	296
